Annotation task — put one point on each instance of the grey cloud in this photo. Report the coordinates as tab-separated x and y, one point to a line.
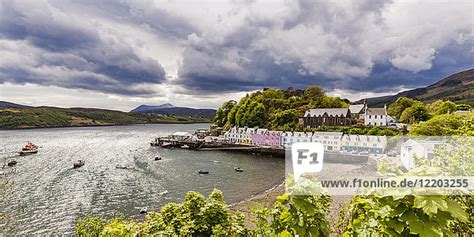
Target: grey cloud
65	51
352	45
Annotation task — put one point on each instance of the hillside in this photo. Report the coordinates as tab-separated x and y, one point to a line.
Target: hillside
17	116
274	108
458	88
5	104
169	109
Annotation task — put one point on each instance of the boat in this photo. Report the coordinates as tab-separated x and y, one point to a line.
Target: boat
144	210
27	152
79	164
185	146
238	169
29	149
29	146
157	157
123	167
203	172
12	163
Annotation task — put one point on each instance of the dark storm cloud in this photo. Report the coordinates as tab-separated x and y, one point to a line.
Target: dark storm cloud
351	45
47	45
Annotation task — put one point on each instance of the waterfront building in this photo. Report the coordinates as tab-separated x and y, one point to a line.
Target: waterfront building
247	136
288	138
314	118
258	138
232	136
264	137
330	140
421	149
377	117
181	136
363	144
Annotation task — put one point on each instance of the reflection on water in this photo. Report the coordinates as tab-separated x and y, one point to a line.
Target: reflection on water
49	195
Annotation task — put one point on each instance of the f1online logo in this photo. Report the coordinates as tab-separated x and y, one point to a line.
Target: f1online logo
307	157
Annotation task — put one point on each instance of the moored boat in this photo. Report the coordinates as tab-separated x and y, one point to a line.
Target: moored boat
29	149
79	164
28	152
12	163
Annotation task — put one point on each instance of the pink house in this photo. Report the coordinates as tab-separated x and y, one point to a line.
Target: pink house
263	137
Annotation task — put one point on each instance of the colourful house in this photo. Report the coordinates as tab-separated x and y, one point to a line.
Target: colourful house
263	137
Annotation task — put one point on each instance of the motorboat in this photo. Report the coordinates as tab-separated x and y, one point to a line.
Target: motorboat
12	163
238	169
158	158
28	152
144	210
203	172
79	164
29	149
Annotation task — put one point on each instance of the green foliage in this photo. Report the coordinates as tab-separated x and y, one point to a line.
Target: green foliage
294	215
442	107
404	215
196	216
274	108
396	109
417	112
446	125
358	130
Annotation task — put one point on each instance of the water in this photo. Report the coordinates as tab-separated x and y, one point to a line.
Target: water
49	196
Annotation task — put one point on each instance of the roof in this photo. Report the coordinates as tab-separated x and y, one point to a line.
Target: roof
183	134
332	134
329	112
355	109
376	111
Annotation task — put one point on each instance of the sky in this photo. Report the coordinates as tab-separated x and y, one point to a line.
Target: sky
120	54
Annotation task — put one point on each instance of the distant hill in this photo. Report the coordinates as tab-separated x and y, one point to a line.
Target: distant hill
169	109
458	88
14	116
145	108
4	105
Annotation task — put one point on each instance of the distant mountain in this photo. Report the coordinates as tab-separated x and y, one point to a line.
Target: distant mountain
7	105
458	88
169	109
144	108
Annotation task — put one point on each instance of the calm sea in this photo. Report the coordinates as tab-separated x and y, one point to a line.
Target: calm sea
49	196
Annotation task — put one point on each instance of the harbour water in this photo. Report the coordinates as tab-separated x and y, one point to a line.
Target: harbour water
49	196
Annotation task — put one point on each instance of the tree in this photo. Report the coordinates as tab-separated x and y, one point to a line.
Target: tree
445	125
417	112
442	107
396	109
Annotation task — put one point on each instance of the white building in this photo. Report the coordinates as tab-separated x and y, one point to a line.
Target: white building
233	135
330	140
288	138
422	149
181	136
363	143
247	136
377	117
